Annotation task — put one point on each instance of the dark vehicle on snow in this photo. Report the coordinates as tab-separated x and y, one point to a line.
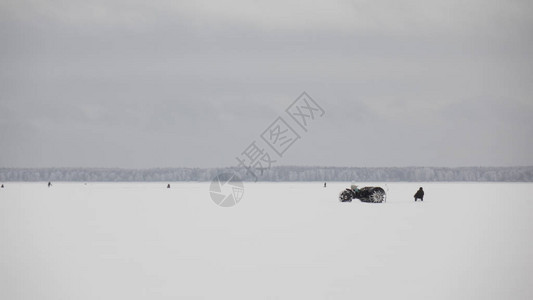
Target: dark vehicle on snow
367	194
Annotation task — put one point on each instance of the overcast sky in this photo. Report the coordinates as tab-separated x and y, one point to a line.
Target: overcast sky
140	84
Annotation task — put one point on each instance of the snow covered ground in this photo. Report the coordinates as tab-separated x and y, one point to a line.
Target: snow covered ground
282	241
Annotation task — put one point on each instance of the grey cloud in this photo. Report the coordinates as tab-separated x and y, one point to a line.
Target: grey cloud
126	84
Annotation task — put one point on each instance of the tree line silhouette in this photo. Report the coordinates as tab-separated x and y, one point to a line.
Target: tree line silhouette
278	173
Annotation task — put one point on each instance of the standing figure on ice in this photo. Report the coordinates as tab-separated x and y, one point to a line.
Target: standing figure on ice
419	194
49	184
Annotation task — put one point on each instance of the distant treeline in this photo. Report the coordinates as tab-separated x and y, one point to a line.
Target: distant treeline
281	173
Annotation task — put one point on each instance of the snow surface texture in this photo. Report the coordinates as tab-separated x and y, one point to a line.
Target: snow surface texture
282	241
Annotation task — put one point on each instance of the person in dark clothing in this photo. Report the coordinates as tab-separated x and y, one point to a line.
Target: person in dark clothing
49	184
2	186
168	186
419	194
324	184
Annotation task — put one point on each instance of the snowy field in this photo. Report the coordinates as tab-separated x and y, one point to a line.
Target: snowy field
282	241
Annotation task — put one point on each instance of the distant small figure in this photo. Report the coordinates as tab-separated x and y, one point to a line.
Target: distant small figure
324	184
49	184
419	194
2	186
168	186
